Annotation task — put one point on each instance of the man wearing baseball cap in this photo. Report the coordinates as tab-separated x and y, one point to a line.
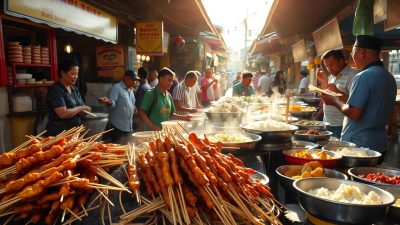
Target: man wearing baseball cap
371	100
121	102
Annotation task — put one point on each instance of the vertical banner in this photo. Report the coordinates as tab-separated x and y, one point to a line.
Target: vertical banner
149	37
364	18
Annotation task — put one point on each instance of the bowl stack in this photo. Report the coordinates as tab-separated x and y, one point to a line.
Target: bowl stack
44	53
14	52
10	77
27	54
36	57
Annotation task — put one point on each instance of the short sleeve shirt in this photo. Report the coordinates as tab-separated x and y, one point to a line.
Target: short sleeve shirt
373	91
162	109
240	90
181	93
58	96
343	82
123	106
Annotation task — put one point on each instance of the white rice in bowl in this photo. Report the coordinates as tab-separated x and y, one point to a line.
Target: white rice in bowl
348	194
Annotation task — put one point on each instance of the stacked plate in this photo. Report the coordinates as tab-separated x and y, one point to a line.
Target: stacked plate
27	54
45	55
36	57
14	52
10	77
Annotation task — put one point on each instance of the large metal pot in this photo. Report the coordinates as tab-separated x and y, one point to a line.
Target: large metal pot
311	124
353	161
356	172
269	137
394	211
239	146
224	116
302	135
339	212
286	172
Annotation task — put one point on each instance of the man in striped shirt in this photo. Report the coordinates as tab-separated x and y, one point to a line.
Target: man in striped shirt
183	102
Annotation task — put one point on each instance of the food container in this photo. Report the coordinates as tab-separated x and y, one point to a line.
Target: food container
270	137
302	114
336	144
286	172
339	212
302	135
304	145
311	124
356	172
239	147
174	125
394	211
143	136
225	126
95	123
224	116
353	161
326	163
196	124
311	100
22	103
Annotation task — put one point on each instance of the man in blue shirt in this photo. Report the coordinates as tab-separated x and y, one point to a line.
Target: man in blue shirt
121	101
372	97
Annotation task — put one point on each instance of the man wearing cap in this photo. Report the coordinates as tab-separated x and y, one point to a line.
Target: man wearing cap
372	97
304	82
339	80
121	102
244	88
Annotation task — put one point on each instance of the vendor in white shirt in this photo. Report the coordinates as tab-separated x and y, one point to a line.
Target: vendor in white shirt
304	82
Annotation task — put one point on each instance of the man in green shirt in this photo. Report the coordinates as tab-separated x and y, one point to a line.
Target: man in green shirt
244	88
156	109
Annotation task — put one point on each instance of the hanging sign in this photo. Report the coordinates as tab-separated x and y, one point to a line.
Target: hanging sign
393	16
299	51
328	37
380	11
71	15
110	61
149	37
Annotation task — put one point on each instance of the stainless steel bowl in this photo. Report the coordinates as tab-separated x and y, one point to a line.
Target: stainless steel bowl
262	177
224	116
317	125
336	144
304	145
311	100
143	136
286	172
302	114
353	161
270	137
239	146
394	211
339	212
302	136
356	172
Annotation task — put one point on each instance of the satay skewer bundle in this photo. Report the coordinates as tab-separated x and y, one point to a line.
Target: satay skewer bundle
54	176
192	176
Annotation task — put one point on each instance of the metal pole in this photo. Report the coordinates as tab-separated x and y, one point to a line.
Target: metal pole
245	43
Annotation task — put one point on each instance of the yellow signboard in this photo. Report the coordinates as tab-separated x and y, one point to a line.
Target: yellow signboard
72	15
149	38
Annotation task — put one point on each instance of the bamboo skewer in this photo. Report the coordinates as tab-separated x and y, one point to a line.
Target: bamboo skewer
105	197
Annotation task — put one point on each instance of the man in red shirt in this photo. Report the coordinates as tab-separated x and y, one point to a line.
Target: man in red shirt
207	88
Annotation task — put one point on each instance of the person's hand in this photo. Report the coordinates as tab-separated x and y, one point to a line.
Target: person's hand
333	88
321	77
104	100
154	128
87	108
328	99
192	110
186	118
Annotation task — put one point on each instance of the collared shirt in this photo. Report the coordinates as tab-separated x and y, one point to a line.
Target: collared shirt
240	90
58	96
122	108
142	89
304	82
162	109
343	82
182	94
256	79
153	83
374	91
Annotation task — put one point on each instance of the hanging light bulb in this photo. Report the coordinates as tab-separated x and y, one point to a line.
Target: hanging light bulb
68	48
138	57
147	58
143	57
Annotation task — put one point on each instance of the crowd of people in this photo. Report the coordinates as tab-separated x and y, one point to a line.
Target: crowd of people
359	115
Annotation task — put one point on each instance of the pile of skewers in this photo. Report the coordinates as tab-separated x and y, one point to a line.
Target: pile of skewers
48	178
190	181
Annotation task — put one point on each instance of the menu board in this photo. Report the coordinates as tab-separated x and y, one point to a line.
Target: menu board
299	51
393	15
